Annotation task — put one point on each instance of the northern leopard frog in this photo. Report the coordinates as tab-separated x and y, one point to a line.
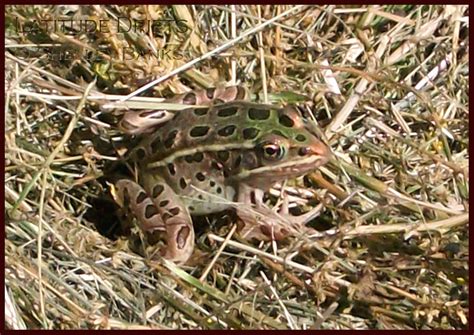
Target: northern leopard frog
206	157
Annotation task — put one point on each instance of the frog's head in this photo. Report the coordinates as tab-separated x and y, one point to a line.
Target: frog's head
286	147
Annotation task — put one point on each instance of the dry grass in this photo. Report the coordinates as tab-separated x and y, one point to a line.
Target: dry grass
387	84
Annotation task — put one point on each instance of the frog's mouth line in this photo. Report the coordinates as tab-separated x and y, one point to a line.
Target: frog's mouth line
289	169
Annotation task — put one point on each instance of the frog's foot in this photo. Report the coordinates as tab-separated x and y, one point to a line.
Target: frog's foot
263	223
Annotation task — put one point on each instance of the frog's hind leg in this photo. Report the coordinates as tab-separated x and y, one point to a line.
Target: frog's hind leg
133	198
177	220
160	208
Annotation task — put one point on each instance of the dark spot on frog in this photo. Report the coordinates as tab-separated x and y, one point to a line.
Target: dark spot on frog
170	139
227	112
223	156
279	133
157	190
191	208
189	99
199	131
200	111
219	190
198	157
156	143
141	197
227	131
188	159
212	183
174	211
286	121
300	138
266	230
210	92
250	133
238	160
182	183
150	211
200	176
172	169
252	198
258	114
164	203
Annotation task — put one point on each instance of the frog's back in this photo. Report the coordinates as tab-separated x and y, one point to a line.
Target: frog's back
229	126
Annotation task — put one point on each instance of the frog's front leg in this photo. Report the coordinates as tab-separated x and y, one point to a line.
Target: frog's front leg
263	223
259	221
159	208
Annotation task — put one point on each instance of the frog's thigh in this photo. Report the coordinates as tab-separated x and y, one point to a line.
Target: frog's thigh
135	199
175	215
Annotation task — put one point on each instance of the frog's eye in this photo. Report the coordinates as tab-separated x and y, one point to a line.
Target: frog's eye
272	151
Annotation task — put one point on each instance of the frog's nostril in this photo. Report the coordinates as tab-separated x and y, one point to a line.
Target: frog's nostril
304	151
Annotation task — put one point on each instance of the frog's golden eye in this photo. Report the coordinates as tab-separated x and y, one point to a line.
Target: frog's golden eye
272	151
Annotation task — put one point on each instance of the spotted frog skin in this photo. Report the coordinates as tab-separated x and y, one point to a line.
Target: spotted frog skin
204	158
